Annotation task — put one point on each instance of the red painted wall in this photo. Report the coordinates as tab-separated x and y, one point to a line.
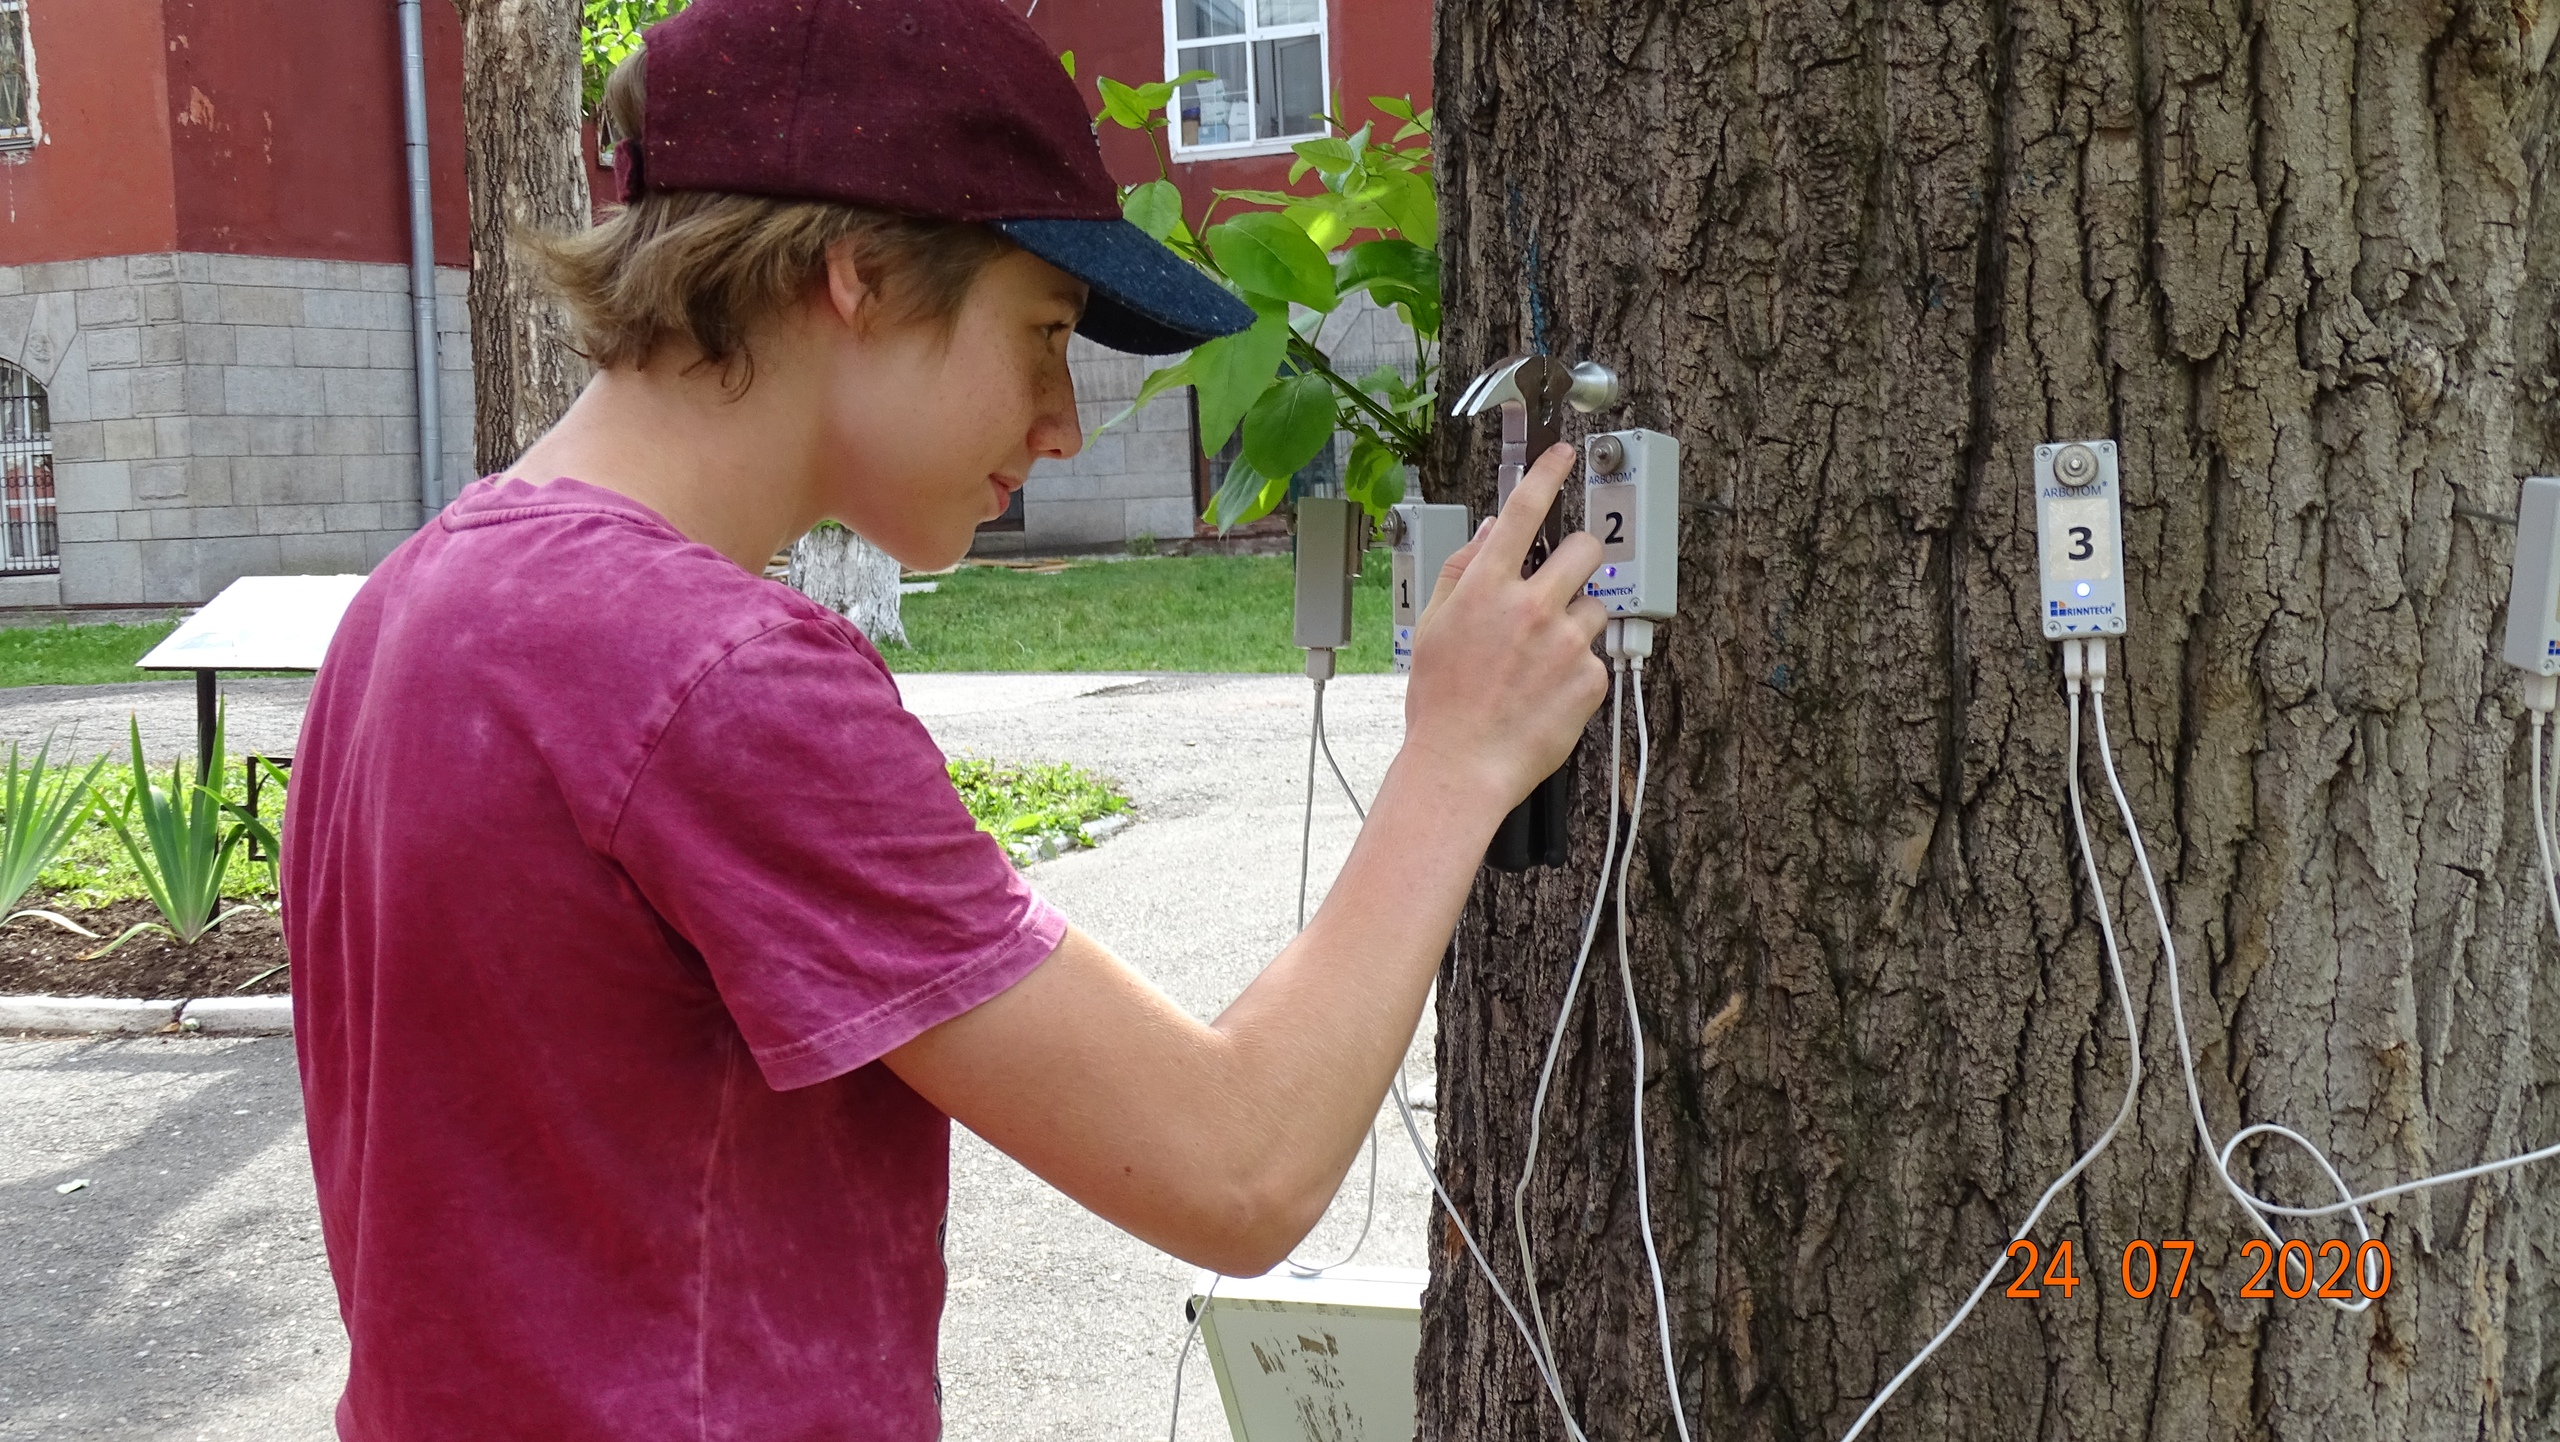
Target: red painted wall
259	127
1377	47
97	181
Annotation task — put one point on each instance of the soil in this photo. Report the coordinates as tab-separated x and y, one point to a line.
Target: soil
38	958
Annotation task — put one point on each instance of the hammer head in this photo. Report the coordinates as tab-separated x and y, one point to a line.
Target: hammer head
1535	382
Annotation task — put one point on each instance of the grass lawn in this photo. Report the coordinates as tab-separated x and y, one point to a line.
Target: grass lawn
1161	613
64	655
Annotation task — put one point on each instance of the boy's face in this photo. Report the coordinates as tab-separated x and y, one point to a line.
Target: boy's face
931	435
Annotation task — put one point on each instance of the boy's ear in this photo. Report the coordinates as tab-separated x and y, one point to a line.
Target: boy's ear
847	295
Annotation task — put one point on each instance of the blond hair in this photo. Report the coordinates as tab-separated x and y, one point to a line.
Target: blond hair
706	266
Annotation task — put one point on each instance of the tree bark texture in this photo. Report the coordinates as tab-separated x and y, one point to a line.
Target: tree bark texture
520	116
1861	257
851	577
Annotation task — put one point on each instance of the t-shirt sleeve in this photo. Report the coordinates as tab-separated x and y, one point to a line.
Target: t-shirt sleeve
797	826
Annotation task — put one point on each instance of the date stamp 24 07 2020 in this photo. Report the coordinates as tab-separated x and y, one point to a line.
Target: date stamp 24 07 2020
2148	1269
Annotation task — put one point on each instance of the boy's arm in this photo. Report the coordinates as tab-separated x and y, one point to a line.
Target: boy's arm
1222	1143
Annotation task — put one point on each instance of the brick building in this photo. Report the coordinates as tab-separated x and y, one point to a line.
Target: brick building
206	347
207	352
1277	61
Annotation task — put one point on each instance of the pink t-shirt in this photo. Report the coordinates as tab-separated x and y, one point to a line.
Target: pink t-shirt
611	872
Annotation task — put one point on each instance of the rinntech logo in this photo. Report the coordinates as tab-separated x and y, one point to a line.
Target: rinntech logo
2056	608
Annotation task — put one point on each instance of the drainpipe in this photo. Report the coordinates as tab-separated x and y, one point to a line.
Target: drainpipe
422	262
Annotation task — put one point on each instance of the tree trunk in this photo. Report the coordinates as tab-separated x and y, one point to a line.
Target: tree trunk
521	155
1861	259
851	577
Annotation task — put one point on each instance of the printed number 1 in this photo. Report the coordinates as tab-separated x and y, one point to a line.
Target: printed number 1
2083	542
1404	593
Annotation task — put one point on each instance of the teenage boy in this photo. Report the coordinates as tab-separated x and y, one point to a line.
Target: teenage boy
642	950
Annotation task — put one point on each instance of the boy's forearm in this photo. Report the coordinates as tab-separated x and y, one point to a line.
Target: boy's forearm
1318	1036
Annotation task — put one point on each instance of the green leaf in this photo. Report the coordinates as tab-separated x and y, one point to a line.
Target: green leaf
1396	262
1256	197
1374	479
1289	425
1156	384
1237	494
1155	207
1233	371
1401	107
1269	255
1067	60
1324	221
1328	154
1407	199
1123	105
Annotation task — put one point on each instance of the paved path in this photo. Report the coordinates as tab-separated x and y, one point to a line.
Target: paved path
183	1293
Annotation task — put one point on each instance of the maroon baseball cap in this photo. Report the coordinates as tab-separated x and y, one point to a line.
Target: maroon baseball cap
944	109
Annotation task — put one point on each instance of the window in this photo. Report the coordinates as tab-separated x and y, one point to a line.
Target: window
17	78
1266	60
1321	476
26	476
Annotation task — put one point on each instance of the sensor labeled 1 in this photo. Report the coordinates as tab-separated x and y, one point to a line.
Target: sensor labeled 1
2080	539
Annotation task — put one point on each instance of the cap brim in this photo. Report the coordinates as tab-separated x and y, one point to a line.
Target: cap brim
1145	299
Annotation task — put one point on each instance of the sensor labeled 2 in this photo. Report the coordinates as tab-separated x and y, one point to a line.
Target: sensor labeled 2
2080	538
1631	503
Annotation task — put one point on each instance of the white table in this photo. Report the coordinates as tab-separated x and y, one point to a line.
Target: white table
258	623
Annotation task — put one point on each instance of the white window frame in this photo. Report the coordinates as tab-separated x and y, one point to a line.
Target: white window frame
21	139
1321	28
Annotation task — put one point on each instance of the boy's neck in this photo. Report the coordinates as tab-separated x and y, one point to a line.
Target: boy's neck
730	470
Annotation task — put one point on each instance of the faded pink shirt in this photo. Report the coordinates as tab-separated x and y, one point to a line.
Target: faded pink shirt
611	872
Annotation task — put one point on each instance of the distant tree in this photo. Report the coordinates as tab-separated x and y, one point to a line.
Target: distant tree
522	104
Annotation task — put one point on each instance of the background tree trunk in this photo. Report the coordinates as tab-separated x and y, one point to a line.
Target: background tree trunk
527	172
1861	258
851	577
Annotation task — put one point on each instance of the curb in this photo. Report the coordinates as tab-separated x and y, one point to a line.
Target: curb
123	1016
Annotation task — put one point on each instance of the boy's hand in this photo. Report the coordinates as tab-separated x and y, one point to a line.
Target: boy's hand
1504	677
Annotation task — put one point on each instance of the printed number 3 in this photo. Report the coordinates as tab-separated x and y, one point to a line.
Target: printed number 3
2083	543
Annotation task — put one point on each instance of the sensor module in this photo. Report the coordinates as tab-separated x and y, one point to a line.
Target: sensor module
1420	540
2533	594
1631	502
2080	539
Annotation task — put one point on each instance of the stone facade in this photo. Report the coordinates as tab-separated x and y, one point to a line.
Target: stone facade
1136	478
218	416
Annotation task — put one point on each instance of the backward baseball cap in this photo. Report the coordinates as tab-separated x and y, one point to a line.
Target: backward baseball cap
942	109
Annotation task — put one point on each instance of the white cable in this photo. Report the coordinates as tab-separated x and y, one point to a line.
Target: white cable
1635	1041
2355	1202
1306	850
2133	1038
1564	1015
1431	1171
2248	1201
1182	1358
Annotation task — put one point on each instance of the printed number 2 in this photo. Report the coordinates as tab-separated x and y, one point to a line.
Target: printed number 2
2083	543
1617	529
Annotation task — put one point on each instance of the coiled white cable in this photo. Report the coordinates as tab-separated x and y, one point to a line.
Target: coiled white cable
2349	1201
1317	742
2073	660
2248	1201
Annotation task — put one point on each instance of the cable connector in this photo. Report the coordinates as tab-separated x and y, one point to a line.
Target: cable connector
2097	666
1627	638
2540	693
2075	666
1320	663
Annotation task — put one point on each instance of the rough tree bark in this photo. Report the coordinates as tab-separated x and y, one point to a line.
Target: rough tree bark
522	159
1861	257
851	577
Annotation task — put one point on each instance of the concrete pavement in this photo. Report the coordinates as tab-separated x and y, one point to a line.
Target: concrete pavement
183	1293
